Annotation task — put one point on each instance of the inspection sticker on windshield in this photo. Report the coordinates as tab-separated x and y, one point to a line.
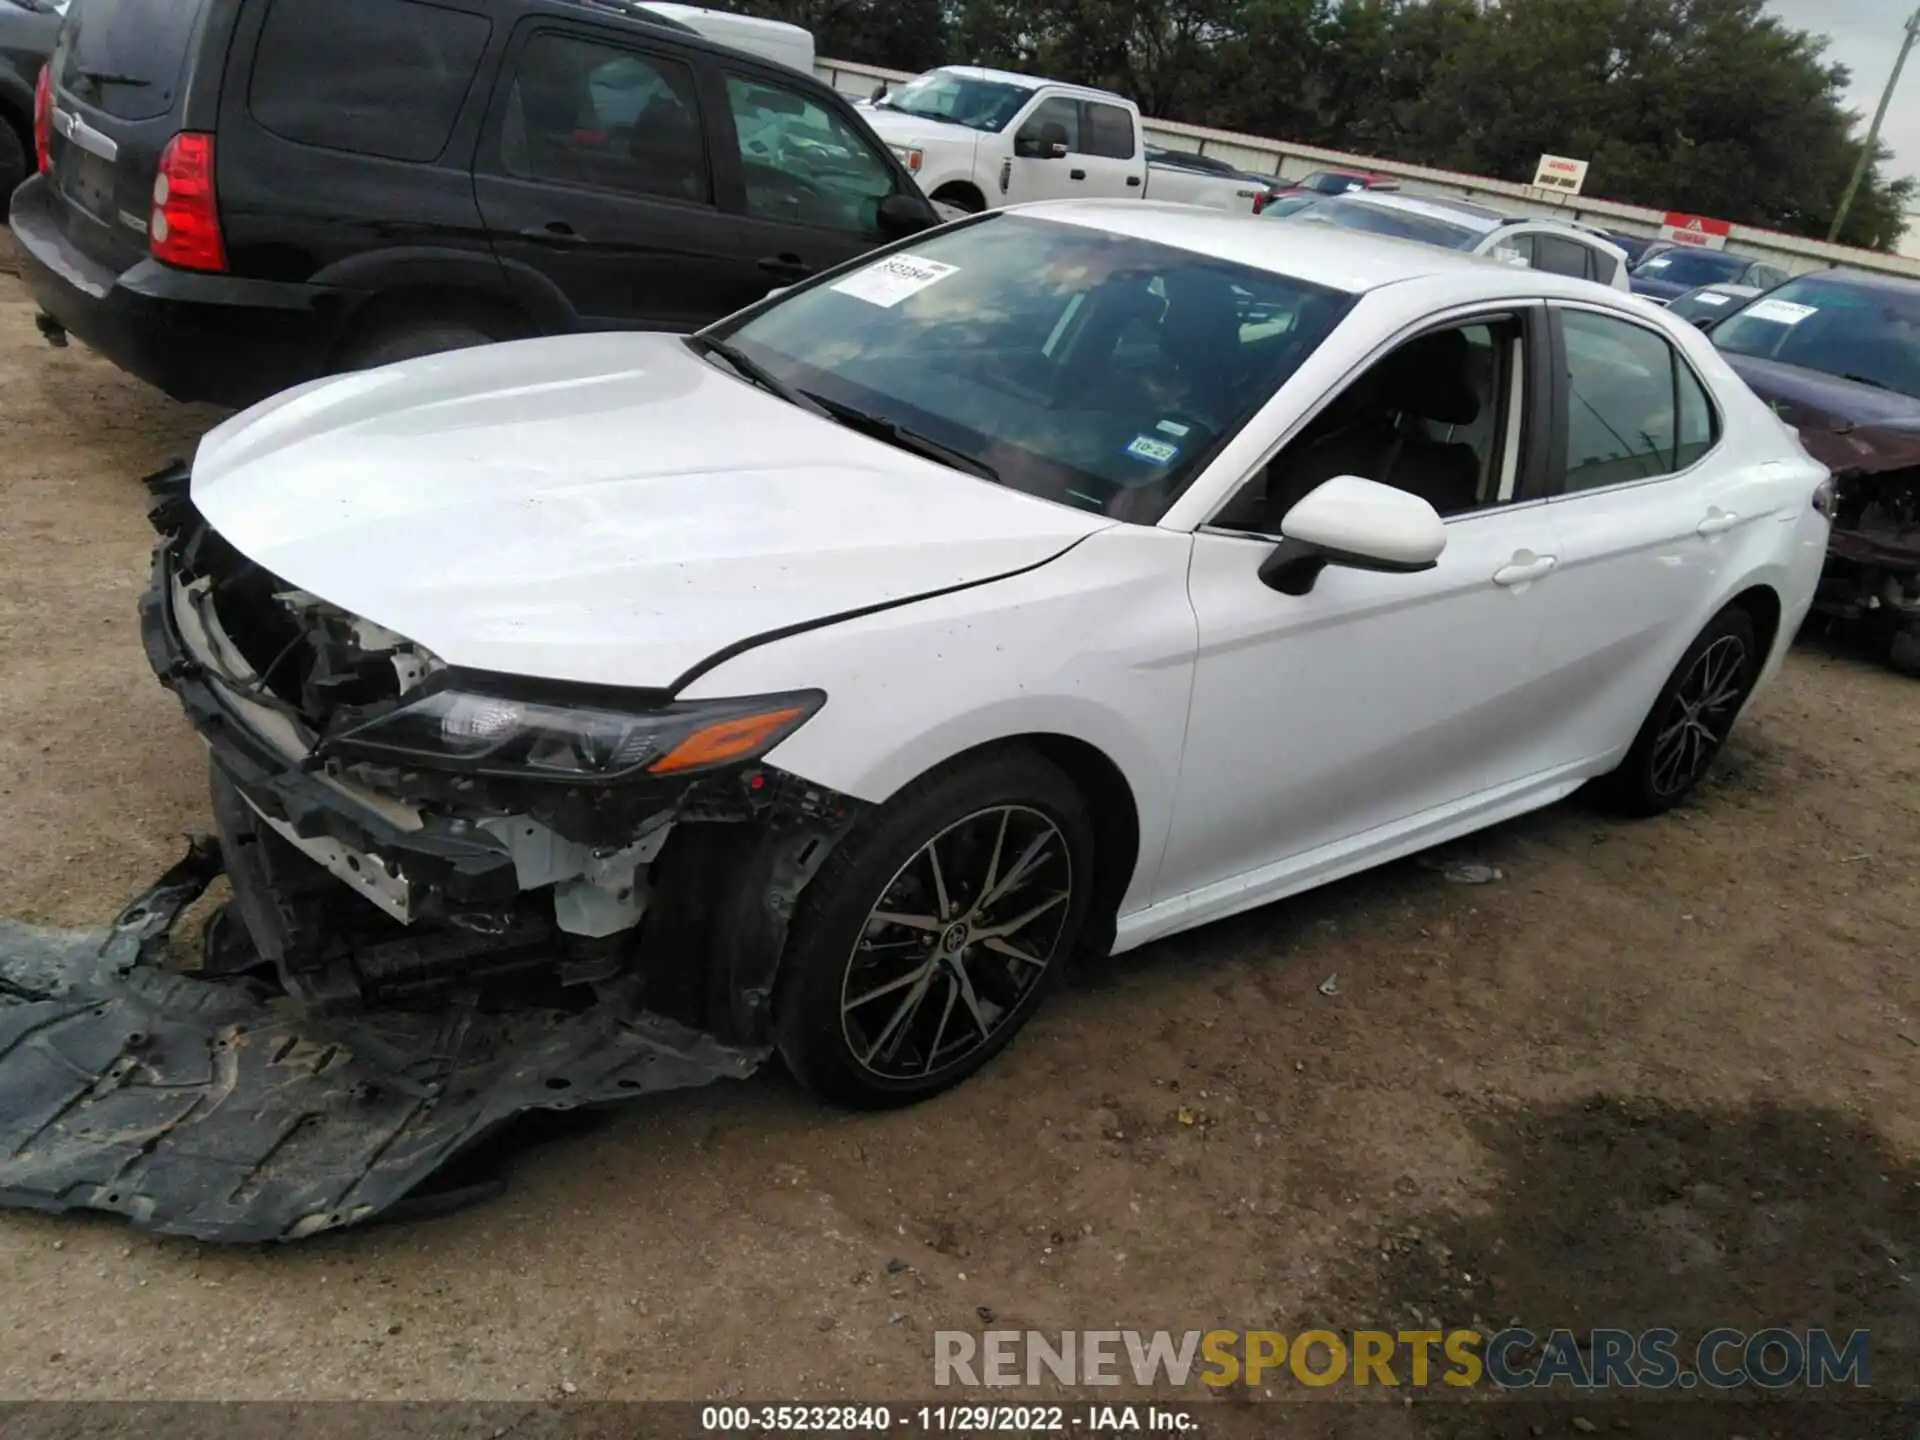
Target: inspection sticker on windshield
896	278
1781	312
1154	452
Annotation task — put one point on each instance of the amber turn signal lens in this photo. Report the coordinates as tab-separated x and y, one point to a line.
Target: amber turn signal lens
725	740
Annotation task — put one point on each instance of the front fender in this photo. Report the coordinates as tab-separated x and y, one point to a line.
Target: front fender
1097	645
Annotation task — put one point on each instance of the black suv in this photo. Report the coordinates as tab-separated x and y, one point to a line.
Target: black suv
239	195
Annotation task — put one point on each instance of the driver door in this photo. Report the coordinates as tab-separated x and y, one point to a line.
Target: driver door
1034	174
1336	727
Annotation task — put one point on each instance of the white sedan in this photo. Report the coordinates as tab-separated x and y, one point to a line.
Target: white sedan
1060	580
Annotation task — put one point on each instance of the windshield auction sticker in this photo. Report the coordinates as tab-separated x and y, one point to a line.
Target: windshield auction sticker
1781	312
896	278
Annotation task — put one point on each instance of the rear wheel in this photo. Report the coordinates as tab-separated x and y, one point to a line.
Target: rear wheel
1689	721
409	339
1904	653
934	931
13	159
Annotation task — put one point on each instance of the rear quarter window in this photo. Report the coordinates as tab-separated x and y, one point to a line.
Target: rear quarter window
125	57
372	77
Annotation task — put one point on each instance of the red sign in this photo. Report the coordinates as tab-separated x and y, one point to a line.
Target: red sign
1695	230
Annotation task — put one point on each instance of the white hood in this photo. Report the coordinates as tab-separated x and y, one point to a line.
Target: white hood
607	508
897	127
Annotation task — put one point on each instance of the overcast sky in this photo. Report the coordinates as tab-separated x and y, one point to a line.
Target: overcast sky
1865	36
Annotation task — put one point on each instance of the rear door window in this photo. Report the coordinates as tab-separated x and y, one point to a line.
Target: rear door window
373	77
125	57
1108	131
586	114
1560	256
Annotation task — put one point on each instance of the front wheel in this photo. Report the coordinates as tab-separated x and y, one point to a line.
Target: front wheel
1689	721
933	932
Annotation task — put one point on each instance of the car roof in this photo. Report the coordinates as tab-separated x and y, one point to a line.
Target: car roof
1462	213
1348	260
1031	82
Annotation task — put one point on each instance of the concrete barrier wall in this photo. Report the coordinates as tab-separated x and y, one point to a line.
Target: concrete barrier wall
1286	160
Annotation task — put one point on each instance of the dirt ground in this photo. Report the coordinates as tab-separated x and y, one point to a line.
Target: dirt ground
1658	1072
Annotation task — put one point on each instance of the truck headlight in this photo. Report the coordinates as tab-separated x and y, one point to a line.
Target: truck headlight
480	733
909	157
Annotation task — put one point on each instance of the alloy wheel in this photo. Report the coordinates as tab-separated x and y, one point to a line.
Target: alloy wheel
1699	716
963	932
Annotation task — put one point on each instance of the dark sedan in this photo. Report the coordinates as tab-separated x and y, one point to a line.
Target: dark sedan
1666	275
1837	355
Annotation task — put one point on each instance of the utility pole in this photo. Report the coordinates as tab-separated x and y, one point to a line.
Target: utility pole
1873	130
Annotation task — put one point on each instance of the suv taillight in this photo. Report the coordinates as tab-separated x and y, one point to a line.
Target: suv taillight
43	119
184	226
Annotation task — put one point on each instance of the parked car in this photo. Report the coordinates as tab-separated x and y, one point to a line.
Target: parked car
1638	247
980	139
1708	303
238	197
1837	356
884	644
1549	245
1290	205
1333	182
1668	274
775	40
27	32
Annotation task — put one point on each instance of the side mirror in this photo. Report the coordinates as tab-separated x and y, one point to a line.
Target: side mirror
1357	524
901	215
879	93
1047	141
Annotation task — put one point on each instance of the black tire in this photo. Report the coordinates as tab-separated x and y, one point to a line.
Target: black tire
410	339
962	197
1654	777
14	153
1904	653
836	944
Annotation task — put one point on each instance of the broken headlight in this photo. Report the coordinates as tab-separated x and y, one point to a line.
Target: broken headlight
467	730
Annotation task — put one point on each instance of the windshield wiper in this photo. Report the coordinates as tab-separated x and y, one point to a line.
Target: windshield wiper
111	77
755	373
1865	380
912	441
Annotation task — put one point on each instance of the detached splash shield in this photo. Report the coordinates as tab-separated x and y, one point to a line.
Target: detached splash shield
218	1109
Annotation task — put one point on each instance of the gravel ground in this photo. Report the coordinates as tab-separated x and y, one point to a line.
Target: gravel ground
1660	1072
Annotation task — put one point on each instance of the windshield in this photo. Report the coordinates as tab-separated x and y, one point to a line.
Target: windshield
1331	182
1711	304
1862	332
942	95
1290	205
1386	220
1092	369
1691	267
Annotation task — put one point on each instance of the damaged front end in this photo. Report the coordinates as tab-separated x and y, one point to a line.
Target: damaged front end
1872	572
448	883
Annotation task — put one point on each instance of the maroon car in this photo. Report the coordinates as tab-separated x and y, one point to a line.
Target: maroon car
1326	182
1837	355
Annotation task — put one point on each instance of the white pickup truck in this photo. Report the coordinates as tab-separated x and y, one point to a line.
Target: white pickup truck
978	139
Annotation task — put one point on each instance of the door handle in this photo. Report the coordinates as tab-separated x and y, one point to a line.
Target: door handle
1524	566
1717	522
785	266
1133	180
1076	174
558	230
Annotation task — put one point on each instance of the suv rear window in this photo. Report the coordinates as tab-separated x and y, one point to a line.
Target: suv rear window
125	57
374	77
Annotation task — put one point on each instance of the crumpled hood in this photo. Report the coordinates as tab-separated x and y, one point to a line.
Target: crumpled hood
1848	427
608	508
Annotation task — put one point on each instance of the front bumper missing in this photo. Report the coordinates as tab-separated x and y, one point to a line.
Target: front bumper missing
216	1109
